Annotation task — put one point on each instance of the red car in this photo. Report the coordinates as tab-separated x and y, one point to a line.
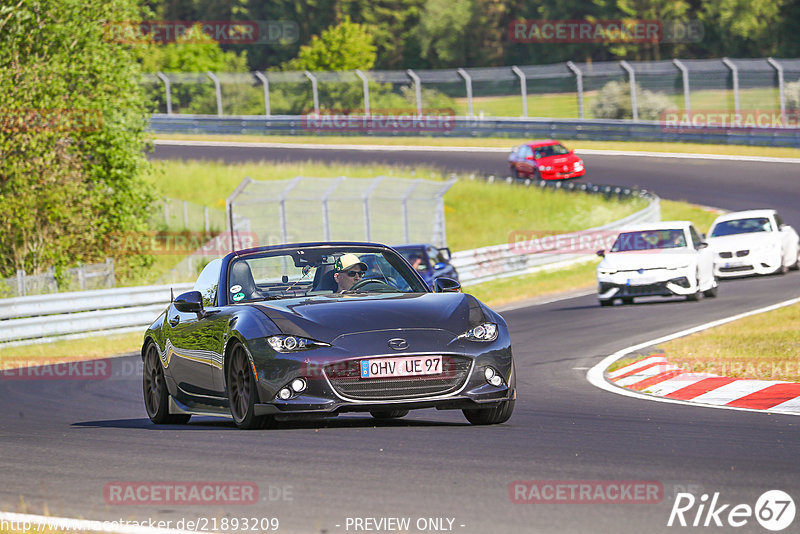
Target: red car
546	160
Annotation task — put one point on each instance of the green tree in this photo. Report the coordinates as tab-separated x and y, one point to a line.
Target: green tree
73	134
743	27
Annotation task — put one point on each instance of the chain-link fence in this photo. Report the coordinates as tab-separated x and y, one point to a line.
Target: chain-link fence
174	214
81	278
563	90
386	210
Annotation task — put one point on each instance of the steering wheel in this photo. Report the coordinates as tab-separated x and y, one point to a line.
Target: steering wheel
368	281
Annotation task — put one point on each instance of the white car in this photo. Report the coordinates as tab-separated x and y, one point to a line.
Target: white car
752	242
659	259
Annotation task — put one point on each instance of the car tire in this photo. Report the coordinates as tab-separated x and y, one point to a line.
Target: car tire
388	414
536	175
627	300
796	265
491	416
241	388
514	172
712	291
607	302
154	389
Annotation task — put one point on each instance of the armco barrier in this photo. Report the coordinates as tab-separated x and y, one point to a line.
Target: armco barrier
42	318
589	129
38	318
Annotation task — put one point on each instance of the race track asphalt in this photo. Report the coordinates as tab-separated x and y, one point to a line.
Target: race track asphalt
63	442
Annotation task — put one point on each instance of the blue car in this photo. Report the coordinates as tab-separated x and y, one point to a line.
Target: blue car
430	262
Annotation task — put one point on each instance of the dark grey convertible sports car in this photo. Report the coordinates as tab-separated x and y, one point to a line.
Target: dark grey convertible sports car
312	330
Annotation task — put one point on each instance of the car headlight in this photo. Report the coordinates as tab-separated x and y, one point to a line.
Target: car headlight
547	168
482	332
284	343
678	268
578	165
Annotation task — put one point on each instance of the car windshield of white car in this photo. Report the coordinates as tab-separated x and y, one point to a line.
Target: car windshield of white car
649	240
742	226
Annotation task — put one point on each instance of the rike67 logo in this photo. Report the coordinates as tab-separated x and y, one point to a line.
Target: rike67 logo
774	510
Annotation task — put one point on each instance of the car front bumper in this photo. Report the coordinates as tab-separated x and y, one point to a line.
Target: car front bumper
752	263
653	283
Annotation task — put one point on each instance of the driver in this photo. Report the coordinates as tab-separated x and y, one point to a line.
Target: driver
349	270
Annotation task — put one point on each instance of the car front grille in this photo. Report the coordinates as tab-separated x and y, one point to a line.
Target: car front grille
346	380
735	269
742	253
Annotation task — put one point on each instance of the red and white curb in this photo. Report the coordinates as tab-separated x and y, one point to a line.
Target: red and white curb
655	379
654	375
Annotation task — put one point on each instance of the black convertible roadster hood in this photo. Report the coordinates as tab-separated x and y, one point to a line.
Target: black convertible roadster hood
325	317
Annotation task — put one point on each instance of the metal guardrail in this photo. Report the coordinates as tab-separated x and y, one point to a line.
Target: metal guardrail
44	318
588	129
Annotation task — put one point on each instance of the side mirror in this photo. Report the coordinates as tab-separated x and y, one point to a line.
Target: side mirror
447	253
702	245
529	158
601	253
571	150
190	302
446	285
782	227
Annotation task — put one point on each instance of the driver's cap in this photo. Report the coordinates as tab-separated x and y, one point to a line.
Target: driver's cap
348	261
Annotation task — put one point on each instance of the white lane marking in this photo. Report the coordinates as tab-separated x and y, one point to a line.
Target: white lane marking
494	150
636	365
596	377
674	384
734	390
69	524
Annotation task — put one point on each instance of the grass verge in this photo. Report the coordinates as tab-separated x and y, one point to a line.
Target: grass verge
71	350
494	142
763	346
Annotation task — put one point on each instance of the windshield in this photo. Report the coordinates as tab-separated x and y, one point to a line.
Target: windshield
291	273
649	240
550	150
742	226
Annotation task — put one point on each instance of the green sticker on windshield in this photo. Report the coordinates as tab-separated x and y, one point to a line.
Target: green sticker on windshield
238	296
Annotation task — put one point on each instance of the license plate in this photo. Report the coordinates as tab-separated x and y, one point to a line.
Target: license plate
403	366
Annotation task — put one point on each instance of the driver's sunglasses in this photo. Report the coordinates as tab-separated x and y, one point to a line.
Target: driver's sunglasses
353	274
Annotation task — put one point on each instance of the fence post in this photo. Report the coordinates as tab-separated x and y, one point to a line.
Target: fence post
735	75
579	84
632	79
206	224
218	90
781	90
265	82
406	228
365	84
314	91
282	208
365	198
20	282
417	89
82	276
523	87
468	81
326	223
110	282
167	90
685	75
